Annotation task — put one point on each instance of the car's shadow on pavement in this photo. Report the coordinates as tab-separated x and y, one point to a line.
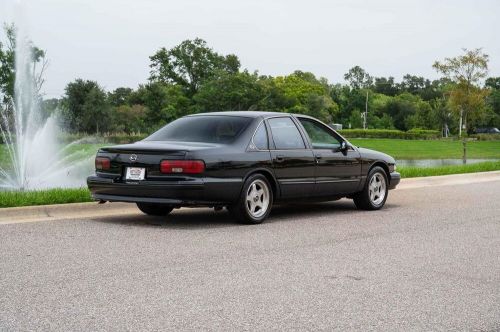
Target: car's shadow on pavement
208	218
179	219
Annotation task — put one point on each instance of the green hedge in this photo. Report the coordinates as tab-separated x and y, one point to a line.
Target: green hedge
391	133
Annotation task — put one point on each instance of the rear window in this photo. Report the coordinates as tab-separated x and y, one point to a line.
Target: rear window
206	129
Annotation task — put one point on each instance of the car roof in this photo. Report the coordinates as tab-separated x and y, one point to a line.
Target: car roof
249	114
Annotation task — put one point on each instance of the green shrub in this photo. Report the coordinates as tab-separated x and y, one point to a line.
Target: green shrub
424	131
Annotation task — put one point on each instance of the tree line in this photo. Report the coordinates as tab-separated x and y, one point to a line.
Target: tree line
192	77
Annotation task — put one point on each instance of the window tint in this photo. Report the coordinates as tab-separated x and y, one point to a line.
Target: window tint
285	134
320	137
207	129
260	138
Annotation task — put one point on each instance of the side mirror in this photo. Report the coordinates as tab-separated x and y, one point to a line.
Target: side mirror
343	146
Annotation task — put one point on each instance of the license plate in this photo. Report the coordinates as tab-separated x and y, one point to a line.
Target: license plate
135	173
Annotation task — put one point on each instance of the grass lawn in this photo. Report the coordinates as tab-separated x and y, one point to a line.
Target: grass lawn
87	149
43	197
413	172
432	149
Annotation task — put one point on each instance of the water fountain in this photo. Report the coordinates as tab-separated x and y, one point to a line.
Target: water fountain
35	157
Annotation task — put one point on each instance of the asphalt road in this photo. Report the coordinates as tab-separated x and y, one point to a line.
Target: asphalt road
429	261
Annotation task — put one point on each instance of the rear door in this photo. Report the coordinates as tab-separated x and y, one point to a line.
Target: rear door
337	172
292	160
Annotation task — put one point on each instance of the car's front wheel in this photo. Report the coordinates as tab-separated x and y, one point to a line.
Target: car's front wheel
375	191
154	209
255	201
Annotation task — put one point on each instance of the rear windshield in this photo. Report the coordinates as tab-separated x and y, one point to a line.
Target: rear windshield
207	129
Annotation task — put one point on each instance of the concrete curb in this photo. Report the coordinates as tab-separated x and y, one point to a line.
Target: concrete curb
93	209
63	211
448	180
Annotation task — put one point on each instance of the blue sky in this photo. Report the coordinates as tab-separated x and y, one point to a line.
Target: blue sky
110	41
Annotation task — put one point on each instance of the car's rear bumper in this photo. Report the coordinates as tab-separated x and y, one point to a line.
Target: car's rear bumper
394	180
196	191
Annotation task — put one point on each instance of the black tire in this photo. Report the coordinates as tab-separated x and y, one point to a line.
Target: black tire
154	209
363	200
241	209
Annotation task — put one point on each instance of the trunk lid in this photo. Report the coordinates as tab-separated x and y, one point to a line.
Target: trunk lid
148	155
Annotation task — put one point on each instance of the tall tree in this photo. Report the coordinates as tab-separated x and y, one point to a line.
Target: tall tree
492	83
425	88
414	84
120	96
301	92
7	64
7	59
493	101
466	71
401	108
230	92
164	102
443	115
130	119
358	78
190	64
386	86
85	107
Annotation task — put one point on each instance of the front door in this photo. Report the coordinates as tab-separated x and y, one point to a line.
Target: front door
337	172
293	162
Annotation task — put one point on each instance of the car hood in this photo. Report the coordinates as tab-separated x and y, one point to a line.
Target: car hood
375	155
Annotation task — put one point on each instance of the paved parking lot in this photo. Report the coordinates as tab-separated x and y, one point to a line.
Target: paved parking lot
429	261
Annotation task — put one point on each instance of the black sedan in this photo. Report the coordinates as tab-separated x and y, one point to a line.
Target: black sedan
245	161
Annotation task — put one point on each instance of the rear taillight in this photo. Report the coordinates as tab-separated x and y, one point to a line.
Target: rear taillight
182	166
102	163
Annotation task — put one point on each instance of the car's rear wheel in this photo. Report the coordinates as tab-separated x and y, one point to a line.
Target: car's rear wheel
255	202
375	191
154	209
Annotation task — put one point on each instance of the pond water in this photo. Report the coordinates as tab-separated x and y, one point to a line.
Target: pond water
437	162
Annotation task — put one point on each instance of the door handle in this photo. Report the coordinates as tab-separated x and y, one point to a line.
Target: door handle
280	158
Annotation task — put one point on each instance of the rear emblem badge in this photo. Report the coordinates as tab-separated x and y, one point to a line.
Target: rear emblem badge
133	158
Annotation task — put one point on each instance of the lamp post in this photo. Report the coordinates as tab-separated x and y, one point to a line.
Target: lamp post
365	117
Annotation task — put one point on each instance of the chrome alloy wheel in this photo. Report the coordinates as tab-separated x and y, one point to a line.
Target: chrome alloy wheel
257	200
376	189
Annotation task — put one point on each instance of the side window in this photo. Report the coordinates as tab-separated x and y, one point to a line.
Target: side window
320	137
260	138
285	134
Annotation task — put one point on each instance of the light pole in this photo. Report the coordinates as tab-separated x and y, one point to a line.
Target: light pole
365	117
